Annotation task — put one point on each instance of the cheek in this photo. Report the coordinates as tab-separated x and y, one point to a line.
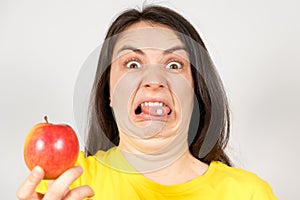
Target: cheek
122	87
112	82
182	87
116	79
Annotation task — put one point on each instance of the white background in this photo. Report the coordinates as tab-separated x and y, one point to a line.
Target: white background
255	45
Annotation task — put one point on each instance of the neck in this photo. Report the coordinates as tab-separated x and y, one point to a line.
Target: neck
174	164
147	162
181	171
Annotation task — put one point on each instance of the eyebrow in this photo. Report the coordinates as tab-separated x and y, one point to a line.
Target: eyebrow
139	51
175	48
130	48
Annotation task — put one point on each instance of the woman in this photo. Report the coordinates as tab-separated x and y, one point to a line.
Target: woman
159	121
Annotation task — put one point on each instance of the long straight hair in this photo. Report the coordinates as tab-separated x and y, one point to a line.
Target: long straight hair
208	88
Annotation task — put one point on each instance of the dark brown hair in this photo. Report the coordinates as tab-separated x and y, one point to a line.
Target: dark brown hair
211	100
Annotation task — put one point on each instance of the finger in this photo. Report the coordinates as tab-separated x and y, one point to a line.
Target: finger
61	185
27	189
80	193
50	182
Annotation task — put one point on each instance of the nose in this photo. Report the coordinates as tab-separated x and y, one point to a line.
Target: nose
154	77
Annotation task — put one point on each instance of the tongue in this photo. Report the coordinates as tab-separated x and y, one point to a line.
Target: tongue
156	110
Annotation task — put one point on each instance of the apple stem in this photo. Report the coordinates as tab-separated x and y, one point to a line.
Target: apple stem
46	119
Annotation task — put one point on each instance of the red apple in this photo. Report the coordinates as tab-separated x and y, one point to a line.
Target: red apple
54	147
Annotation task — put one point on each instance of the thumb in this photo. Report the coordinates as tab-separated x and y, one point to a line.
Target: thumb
27	189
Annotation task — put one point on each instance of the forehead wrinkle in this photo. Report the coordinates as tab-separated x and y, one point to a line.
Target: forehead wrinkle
171	50
149	37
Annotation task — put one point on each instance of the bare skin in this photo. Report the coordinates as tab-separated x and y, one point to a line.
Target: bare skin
58	189
172	87
183	170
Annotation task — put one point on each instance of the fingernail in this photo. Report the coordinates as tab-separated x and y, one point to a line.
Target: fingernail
79	168
37	172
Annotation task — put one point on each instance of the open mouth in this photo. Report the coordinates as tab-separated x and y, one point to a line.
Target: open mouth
153	108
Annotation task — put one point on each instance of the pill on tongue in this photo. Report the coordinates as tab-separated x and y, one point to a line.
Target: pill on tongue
155	110
159	111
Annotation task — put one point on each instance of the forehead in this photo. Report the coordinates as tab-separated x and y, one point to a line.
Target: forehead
144	36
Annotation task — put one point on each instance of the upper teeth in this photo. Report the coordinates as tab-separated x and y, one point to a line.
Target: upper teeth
152	104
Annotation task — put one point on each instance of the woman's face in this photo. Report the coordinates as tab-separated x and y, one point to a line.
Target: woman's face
151	88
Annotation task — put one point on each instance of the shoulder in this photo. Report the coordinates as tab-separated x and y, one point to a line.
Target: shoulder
241	181
105	161
94	160
233	173
94	163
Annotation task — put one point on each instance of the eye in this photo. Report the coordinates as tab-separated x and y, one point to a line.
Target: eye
133	64
174	65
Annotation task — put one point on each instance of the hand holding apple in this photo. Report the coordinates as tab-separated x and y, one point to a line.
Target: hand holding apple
54	147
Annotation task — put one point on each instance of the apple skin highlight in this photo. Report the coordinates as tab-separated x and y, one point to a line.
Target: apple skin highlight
54	147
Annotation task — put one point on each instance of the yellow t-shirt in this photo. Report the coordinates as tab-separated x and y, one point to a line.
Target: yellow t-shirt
220	182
